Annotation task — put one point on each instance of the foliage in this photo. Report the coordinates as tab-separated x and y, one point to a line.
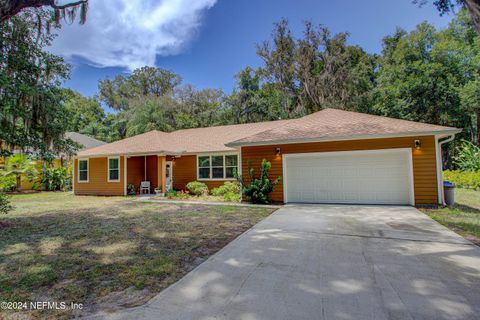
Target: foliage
171	193
463	179
229	190
131	191
447	6
197	188
55	179
7	182
66	11
257	190
232	197
432	76
180	195
82	111
228	186
5	206
19	166
468	157
33	117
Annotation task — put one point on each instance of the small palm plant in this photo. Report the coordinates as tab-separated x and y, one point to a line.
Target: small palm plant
258	190
20	165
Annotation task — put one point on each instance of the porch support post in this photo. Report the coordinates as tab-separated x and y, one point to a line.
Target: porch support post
125	175
162	172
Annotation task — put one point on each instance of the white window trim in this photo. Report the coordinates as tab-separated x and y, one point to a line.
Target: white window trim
88	170
108	169
224	167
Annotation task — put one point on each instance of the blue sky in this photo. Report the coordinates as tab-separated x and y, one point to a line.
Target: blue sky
207	43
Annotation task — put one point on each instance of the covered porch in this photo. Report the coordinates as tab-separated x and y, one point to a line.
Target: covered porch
152	170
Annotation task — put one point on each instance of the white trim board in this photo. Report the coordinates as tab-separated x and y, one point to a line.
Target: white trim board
119	169
88	170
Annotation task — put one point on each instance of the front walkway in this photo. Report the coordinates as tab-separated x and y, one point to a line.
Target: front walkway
330	262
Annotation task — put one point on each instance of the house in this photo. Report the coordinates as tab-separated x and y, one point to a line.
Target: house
331	156
84	141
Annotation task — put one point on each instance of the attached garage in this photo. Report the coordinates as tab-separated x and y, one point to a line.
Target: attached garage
351	177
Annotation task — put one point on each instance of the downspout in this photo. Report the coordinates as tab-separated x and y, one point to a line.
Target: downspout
441	198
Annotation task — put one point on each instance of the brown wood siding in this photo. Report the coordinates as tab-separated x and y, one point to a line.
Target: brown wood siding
185	171
97	179
424	160
152	174
136	171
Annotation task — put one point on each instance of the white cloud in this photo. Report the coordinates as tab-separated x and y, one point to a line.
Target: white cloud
130	33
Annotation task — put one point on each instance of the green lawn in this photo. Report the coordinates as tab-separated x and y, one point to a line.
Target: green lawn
106	252
463	217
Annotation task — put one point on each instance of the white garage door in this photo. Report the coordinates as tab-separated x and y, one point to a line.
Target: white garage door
363	177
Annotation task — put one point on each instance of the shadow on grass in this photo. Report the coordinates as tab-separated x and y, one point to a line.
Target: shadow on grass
466	208
81	256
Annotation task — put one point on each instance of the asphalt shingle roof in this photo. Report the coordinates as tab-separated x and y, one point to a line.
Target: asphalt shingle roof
325	124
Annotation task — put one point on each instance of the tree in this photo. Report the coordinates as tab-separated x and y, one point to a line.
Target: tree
446	6
10	8
146	81
32	115
82	111
316	71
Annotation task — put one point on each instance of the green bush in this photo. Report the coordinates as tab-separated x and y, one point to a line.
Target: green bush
197	188
258	189
468	157
232	197
5	206
171	194
227	187
55	179
7	183
463	179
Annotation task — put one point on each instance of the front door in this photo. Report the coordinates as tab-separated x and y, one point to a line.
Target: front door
169	176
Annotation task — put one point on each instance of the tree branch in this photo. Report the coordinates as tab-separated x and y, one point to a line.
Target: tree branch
10	8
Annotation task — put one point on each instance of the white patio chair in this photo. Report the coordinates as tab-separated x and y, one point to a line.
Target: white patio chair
145	186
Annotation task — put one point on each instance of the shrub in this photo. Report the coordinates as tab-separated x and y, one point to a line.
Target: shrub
232	197
468	157
7	183
197	188
131	190
227	187
463	179
54	179
258	189
171	194
5	206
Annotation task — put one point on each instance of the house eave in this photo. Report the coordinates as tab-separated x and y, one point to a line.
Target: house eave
343	138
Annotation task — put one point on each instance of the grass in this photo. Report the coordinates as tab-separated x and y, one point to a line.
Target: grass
463	217
106	252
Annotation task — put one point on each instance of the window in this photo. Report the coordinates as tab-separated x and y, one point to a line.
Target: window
231	166
114	169
83	170
218	167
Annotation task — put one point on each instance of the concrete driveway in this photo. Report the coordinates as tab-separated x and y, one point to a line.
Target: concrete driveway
331	262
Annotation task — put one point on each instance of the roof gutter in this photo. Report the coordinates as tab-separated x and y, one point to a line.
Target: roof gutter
342	138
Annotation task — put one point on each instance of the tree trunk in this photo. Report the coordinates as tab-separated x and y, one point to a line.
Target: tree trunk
478	127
